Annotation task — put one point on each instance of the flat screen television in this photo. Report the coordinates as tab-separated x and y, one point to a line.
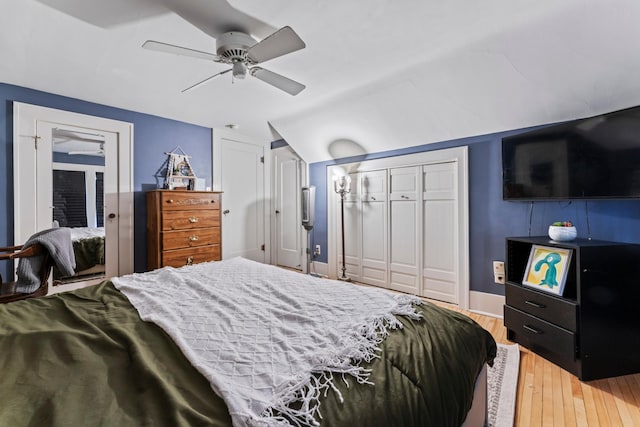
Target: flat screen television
593	158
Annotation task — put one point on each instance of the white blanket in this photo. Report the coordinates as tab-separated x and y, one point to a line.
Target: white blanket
81	233
259	332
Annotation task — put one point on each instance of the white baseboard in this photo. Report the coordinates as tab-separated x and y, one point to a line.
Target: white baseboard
486	304
321	268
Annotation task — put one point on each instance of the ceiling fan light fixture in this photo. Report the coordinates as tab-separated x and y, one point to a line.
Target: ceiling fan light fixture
239	70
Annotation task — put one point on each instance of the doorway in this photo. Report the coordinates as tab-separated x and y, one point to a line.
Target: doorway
64	159
239	171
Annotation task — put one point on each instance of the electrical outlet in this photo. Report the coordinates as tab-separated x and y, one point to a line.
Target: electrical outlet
317	251
498	272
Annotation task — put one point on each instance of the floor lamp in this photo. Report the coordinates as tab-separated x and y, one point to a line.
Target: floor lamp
342	186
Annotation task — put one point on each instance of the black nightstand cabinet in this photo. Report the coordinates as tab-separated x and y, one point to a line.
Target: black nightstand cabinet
593	329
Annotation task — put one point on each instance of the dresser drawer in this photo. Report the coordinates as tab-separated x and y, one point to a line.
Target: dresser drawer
190	238
554	310
182	257
184	220
189	200
544	338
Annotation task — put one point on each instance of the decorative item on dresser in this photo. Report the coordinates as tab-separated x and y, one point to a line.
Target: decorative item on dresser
183	228
591	329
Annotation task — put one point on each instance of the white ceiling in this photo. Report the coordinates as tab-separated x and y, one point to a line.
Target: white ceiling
380	74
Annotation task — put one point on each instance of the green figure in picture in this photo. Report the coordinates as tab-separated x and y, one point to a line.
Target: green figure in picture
550	260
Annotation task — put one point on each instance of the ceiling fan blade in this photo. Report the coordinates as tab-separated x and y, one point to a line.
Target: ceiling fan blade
86	153
205	80
281	82
179	50
283	41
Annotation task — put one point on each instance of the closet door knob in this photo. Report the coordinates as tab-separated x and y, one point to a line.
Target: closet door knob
111	215
226	211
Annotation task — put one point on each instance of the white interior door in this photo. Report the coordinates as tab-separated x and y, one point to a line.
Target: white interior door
33	129
239	173
288	229
440	218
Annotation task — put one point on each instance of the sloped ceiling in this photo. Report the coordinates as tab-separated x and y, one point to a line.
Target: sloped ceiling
380	74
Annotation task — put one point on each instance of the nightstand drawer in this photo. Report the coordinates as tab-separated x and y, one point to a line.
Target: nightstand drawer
190	238
544	338
554	310
182	257
184	220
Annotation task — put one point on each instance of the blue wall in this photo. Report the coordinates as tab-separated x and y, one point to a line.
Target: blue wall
490	218
153	136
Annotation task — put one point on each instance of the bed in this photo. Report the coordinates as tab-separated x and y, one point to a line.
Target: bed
88	248
117	353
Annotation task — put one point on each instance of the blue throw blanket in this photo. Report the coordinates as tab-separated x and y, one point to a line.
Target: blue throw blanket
57	241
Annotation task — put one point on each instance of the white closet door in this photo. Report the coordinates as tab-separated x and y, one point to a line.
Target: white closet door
440	219
352	231
403	229
374	232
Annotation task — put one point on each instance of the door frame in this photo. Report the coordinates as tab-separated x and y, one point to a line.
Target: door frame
456	154
25	121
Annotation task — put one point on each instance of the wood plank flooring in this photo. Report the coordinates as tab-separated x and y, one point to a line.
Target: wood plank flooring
550	396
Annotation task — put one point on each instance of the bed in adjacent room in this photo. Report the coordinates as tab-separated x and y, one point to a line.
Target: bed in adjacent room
89	252
237	343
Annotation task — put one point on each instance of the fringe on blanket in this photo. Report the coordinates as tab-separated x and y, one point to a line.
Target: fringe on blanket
362	345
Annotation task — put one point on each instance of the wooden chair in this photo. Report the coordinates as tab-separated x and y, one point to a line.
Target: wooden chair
8	290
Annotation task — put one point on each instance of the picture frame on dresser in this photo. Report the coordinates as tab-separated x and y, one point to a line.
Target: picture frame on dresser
547	269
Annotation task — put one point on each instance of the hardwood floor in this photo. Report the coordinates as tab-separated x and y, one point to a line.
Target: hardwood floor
550	396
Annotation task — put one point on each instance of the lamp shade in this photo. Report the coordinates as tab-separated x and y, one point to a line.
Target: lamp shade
342	184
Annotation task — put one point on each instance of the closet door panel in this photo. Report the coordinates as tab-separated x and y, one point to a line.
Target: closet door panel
403	229
374	243
439	259
373	187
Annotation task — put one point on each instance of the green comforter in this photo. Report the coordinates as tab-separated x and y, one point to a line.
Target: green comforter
84	358
88	252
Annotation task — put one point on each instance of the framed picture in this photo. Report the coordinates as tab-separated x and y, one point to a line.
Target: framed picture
547	269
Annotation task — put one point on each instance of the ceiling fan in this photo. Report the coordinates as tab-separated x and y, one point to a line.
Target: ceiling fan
243	53
99	152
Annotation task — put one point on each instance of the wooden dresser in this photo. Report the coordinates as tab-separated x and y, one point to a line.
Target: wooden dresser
183	228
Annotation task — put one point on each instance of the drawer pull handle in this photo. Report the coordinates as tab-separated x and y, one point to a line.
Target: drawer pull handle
170	201
193	238
532	329
535	304
193	219
190	260
213	201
